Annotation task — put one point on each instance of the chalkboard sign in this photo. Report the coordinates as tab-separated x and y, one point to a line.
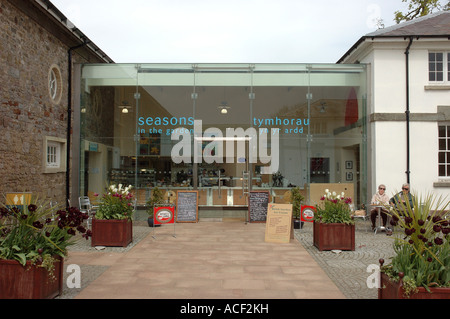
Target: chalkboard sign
187	206
257	206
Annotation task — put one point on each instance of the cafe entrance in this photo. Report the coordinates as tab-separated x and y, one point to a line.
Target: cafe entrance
223	130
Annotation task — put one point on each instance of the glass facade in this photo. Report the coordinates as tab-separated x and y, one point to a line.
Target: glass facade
224	130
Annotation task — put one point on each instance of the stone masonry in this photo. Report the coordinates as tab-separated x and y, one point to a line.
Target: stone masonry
28	114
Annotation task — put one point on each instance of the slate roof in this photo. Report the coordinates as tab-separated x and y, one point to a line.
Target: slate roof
433	25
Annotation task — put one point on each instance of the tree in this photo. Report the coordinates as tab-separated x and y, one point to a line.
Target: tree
419	8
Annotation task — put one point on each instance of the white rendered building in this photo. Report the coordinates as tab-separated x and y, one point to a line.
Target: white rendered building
408	103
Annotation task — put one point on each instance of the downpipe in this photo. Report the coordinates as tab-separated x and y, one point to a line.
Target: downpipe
69	120
407	112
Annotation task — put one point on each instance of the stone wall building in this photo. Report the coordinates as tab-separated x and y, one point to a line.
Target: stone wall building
38	48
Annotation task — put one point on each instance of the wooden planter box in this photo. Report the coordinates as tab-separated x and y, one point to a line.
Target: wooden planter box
29	282
394	290
113	233
333	236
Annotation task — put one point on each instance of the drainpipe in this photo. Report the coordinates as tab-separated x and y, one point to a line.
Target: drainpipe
407	112
69	120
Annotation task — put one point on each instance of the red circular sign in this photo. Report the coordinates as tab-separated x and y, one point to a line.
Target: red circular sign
308	213
164	215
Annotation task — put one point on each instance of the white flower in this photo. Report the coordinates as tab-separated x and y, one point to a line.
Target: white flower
327	190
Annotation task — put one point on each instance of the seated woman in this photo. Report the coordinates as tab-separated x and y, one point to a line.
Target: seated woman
379	198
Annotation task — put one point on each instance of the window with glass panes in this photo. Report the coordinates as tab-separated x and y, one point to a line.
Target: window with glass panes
436	66
52	155
444	150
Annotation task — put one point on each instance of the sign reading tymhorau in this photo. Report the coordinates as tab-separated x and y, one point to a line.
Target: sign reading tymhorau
187	206
279	223
257	206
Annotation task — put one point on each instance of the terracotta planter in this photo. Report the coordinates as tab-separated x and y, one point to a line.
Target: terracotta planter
113	233
333	236
394	290
29	282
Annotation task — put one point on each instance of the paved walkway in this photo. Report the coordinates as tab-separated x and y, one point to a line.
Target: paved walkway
224	260
212	260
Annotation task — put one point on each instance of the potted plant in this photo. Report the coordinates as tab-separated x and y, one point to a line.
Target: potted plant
420	268
33	243
156	198
296	201
334	227
113	224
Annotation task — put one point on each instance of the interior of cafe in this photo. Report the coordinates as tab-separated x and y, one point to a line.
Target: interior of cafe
223	130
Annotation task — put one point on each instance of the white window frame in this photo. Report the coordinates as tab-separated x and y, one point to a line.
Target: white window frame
55	84
446	151
445	67
54	154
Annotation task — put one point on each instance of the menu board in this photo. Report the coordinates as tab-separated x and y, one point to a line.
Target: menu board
257	206
187	206
279	223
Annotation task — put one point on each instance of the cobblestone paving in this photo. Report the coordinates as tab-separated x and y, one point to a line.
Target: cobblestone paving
348	269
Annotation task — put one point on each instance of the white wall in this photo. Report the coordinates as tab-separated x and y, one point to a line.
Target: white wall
389	137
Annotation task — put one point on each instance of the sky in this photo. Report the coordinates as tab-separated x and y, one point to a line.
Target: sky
232	31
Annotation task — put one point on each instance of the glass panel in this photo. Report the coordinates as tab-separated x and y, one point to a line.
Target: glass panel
441	157
223	113
432	76
442	170
339	107
442	144
442	130
107	134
